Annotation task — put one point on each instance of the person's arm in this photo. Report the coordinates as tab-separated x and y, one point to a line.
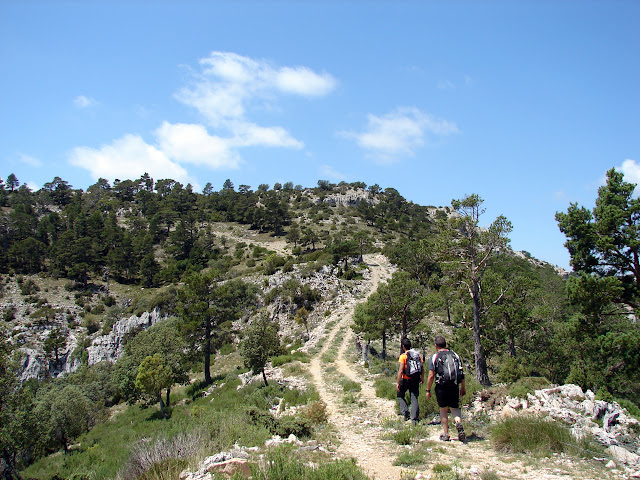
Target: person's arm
422	373
399	377
430	379
463	388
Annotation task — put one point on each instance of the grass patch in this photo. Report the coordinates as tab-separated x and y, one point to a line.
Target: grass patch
217	422
413	457
290	357
442	471
487	474
349	398
283	464
350	385
537	436
385	388
408	435
330	355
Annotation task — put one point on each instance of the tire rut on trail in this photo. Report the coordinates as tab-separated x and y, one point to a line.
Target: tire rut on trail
358	425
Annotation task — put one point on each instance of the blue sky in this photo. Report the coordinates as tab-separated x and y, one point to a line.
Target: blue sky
525	103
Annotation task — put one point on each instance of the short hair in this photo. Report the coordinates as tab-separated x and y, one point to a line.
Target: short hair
441	342
406	343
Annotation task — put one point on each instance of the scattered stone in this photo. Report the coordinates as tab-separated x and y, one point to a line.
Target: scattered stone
231	467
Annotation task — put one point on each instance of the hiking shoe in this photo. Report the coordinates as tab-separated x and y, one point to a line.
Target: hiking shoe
415	422
461	435
444	437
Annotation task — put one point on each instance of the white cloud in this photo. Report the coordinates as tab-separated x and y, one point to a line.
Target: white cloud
249	135
399	133
631	170
303	81
29	160
225	90
230	84
84	102
127	158
190	143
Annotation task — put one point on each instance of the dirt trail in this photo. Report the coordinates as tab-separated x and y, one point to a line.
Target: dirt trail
358	425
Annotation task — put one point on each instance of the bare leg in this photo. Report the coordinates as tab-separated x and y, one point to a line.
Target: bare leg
457	415
444	419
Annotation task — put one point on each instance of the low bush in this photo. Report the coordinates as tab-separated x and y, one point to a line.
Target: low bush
411	458
385	388
315	412
533	435
161	454
527	385
282	464
350	385
290	357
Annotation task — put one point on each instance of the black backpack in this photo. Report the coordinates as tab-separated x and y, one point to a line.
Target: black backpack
448	368
414	365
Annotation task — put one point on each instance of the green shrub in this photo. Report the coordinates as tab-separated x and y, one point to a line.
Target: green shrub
227	348
529	434
527	385
294	396
511	370
441	468
411	458
349	398
315	412
290	357
631	407
350	385
282	464
487	474
407	434
288	425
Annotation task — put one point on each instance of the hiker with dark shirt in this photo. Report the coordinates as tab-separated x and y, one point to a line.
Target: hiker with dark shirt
410	376
445	369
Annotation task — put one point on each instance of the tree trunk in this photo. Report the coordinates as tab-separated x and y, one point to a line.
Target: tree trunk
207	353
162	410
168	397
482	374
365	352
384	346
264	377
512	346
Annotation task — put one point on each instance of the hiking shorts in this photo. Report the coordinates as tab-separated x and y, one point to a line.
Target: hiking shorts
448	396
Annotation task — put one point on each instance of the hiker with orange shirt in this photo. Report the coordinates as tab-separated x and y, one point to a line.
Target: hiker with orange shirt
410	376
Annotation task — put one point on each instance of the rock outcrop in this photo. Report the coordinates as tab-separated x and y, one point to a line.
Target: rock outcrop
110	347
609	423
36	364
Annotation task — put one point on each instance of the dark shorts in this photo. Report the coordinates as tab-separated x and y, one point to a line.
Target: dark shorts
448	396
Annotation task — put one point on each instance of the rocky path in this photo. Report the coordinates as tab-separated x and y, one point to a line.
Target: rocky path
358	424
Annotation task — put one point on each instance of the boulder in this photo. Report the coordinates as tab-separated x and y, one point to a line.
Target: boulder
623	455
231	467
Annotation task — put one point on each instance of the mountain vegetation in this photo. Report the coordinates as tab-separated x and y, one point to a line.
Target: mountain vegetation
231	273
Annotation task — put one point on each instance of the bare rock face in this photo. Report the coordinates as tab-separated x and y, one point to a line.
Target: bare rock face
35	363
350	198
110	347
